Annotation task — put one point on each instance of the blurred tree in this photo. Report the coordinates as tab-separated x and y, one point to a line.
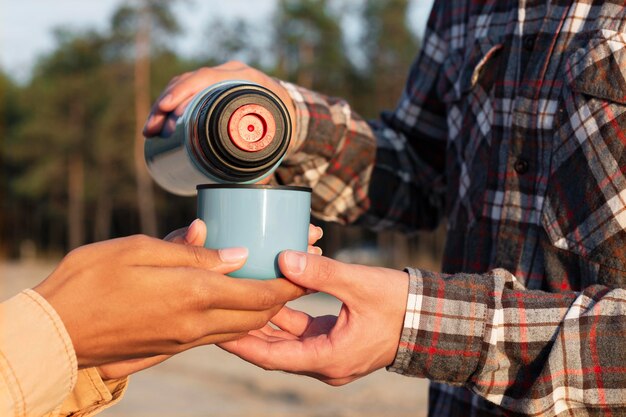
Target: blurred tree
74	147
309	46
389	48
143	21
70	139
54	139
9	119
232	39
162	21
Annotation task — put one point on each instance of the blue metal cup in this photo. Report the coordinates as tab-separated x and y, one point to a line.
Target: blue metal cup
265	219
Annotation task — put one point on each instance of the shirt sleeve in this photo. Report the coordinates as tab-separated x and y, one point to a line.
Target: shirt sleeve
38	369
386	173
92	395
531	352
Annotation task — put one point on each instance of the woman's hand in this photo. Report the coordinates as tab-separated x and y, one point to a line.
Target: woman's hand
132	302
194	235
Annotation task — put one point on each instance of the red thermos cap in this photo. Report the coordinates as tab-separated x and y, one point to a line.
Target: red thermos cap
251	128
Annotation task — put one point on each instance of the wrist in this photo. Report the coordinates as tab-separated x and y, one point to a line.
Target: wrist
444	326
299	113
400	288
49	291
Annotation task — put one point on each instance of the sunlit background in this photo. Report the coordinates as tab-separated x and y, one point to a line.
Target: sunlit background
75	88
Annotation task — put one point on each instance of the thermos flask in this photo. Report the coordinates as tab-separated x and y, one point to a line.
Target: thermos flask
231	132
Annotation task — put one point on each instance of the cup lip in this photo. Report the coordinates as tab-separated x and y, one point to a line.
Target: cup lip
255	187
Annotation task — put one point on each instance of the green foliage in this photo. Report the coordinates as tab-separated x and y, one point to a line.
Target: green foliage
9	119
227	40
162	22
389	47
309	46
60	104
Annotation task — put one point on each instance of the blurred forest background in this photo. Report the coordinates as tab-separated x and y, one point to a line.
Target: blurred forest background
71	154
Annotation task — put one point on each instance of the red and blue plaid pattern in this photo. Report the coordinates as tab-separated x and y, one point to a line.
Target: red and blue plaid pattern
512	125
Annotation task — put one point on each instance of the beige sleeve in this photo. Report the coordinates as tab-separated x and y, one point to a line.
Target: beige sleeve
38	370
92	395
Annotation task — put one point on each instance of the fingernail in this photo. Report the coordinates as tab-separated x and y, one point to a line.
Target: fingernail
318	250
233	255
192	232
320	232
147	126
295	262
166	100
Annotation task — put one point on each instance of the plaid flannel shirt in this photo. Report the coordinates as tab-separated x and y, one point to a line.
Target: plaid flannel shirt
512	125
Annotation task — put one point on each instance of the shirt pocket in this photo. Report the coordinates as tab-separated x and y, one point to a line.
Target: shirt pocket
463	68
585	205
466	88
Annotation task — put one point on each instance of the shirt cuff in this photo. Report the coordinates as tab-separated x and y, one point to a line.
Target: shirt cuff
37	358
92	395
302	115
443	328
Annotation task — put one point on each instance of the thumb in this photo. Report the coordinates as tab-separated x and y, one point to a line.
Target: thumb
196	233
319	273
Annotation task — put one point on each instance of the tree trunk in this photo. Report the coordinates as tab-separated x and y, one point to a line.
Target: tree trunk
305	73
3	198
76	197
145	192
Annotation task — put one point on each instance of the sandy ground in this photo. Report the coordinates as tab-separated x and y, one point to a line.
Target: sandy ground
209	382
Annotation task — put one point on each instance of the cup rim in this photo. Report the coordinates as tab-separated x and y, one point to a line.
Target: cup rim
255	187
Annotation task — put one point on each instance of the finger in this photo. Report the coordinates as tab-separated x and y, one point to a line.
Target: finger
166	102
314	250
181	91
323	274
196	234
177	236
154	123
209	290
162	108
292	321
315	234
286	355
168	125
157	117
146	251
180	109
218	321
272	338
211	339
270	334
263	332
